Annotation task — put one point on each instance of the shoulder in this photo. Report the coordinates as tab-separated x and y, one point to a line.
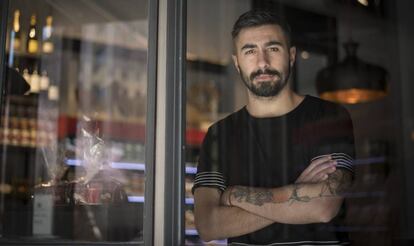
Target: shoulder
231	121
326	118
326	109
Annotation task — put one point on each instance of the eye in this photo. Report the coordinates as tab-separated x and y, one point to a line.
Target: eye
274	49
248	52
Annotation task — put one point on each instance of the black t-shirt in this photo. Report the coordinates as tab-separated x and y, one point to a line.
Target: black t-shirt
273	152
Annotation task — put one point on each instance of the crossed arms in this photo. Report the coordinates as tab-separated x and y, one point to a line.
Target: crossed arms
315	197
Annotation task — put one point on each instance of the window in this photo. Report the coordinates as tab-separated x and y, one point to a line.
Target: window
73	121
329	36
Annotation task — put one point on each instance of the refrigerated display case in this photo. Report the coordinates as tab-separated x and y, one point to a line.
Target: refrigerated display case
73	121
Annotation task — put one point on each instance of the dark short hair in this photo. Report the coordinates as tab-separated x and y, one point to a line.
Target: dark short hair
254	18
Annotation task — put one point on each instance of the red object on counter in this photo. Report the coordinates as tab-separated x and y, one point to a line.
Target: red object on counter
122	130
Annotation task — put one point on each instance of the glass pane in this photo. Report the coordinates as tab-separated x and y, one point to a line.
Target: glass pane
251	149
73	121
213	87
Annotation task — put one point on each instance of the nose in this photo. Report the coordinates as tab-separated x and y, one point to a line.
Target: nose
262	60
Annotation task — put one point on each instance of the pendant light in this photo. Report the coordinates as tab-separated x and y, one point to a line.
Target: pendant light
352	80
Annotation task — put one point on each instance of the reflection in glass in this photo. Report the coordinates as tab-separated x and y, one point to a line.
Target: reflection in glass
383	154
213	86
73	121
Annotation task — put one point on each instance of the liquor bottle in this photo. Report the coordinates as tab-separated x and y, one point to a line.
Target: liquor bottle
47	46
44	81
53	93
16	34
34	82
26	75
32	40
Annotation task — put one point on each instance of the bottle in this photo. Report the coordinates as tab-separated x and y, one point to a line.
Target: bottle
34	82
26	75
44	81
32	40
16	34
53	93
47	46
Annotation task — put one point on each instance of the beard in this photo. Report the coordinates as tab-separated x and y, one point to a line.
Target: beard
270	88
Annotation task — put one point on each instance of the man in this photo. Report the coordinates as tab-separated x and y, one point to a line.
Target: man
275	171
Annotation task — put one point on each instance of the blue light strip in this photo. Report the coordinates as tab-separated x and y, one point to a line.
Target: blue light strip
136	199
127	165
188	200
72	162
191	170
191	232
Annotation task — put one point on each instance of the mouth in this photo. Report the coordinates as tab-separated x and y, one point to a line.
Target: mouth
264	77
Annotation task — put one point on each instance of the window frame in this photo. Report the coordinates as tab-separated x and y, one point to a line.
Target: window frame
169	204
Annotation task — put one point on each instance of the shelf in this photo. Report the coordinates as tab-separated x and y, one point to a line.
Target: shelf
191	169
75	45
128	131
133	131
113	129
25	55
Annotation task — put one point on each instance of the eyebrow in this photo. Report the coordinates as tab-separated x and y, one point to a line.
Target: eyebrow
248	46
270	43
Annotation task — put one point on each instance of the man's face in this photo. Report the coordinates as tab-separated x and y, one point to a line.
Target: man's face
263	59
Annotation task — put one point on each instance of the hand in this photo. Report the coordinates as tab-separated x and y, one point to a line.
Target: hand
225	197
318	170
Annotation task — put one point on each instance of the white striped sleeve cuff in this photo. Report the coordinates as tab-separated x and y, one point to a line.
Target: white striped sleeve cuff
343	161
209	179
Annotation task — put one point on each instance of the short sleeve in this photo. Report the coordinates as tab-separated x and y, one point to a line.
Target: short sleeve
209	169
336	138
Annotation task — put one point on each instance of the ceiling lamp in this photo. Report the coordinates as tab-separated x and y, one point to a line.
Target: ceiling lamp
352	80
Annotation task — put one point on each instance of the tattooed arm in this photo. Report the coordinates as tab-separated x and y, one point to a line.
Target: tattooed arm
215	221
299	203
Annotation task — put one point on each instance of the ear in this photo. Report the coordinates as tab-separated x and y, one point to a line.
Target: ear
236	63
292	54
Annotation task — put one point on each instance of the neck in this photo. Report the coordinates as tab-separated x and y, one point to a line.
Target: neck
283	103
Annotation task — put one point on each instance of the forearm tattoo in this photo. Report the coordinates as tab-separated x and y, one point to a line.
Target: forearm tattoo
295	195
252	195
336	184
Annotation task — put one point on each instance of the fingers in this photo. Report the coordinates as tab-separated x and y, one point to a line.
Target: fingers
322	169
316	163
225	197
322	175
318	170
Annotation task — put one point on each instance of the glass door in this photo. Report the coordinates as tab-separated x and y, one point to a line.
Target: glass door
74	119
